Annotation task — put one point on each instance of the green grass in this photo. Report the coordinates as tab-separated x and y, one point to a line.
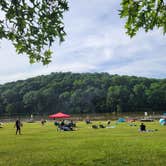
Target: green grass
44	146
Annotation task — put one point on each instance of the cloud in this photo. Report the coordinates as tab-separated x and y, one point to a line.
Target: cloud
146	68
95	42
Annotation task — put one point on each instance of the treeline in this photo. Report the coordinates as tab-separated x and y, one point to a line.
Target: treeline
82	93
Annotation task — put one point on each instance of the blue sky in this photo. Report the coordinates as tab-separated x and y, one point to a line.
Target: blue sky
95	42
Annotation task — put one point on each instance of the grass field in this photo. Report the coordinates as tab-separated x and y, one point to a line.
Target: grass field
44	146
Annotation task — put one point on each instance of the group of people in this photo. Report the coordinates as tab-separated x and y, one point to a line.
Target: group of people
101	125
65	126
143	129
62	125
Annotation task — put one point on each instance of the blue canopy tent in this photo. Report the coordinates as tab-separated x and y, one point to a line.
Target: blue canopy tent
121	120
162	121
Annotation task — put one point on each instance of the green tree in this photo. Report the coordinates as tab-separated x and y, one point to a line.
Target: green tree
33	25
146	14
30	100
117	98
156	95
9	108
64	101
139	94
82	93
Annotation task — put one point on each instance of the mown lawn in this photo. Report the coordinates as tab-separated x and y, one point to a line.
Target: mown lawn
44	146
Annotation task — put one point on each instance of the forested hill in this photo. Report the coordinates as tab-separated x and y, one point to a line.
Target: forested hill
82	93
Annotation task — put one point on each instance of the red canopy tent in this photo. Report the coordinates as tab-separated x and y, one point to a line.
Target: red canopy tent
59	115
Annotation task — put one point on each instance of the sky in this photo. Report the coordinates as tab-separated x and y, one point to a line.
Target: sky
96	42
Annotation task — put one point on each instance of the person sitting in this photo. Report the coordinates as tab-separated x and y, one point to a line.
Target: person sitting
108	123
62	123
43	122
71	124
56	123
66	128
94	126
132	124
87	121
101	126
142	127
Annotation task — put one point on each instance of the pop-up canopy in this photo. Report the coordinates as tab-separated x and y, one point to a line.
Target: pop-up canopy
59	115
121	120
162	121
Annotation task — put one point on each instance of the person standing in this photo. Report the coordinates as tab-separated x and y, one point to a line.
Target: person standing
18	126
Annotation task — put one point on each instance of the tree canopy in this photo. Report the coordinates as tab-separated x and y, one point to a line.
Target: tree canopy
33	25
146	14
82	93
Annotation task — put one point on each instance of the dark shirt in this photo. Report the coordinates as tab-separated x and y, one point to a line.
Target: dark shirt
142	127
18	123
62	123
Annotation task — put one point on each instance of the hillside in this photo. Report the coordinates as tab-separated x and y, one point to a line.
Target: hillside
82	93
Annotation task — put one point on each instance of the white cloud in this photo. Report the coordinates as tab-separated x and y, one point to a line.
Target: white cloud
96	42
144	67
